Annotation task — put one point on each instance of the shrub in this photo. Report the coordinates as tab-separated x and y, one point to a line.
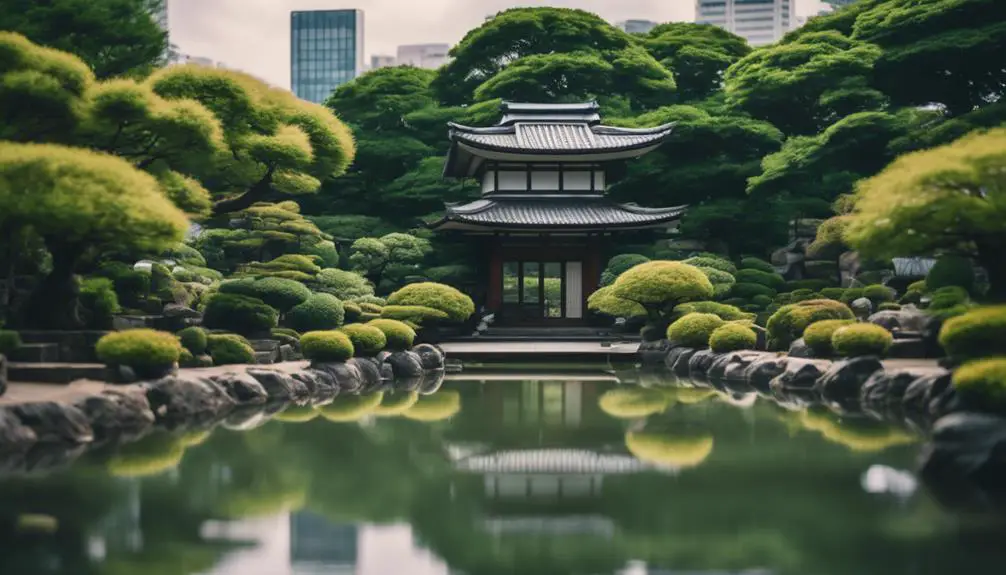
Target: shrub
186	359
370	299
878	293
721	280
951	270
619	265
834	293
367	339
850	295
230	349
694	329
240	314
193	339
801	295
889	306
788	323
321	311
130	285
455	304
752	263
372	308
978	333
812	285
282	294
326	346
735	301
818	335
918	286
732	337
285	335
828	243
399	335
367	316
782	299
97	296
861	339
982	383
712	262
749	290
343	284
139	348
724	311
416	314
9	341
352	311
650	332
947	297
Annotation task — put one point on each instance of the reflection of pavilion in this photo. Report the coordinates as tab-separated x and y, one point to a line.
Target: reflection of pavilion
318	545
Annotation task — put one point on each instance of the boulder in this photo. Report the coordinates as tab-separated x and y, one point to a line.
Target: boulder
800	349
908	348
116	413
821	270
266	351
862	307
288	353
969	446
14	435
370	373
405	364
279	385
700	363
848	267
181	400
844	379
677	360
909	318
921	392
734	361
347	377
886	389
325	386
760	373
654	352
310	380
54	422
430	355
242	388
799	375
3	374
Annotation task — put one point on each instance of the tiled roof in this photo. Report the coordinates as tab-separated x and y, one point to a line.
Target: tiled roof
558	137
557	213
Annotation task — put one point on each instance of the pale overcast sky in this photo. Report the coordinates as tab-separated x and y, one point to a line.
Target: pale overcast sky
254	35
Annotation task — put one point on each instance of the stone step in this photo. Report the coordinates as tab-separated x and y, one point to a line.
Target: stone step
36	353
58	373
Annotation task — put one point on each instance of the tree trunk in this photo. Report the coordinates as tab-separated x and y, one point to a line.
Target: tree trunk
55	303
257	193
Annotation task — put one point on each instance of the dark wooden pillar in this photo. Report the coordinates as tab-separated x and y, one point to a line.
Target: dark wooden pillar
591	267
494	291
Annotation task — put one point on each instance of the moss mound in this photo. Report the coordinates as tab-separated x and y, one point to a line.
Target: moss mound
455	304
239	313
139	348
694	329
325	346
399	335
321	311
230	349
788	323
732	337
282	294
861	339
367	340
978	333
724	311
818	335
194	339
982	383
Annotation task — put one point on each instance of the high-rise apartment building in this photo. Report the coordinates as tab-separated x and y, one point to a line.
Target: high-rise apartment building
381	61
637	26
430	56
326	51
759	22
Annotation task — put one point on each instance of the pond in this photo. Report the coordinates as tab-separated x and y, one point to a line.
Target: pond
591	472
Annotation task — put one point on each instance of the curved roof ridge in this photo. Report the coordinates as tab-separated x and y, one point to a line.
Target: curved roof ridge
615	130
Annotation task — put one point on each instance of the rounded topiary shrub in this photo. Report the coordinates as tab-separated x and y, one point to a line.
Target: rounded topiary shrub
769	279
326	346
279	293
144	350
229	349
889	306
947	297
732	337
455	304
834	293
240	314
712	262
694	329
951	270
618	265
417	314
352	311
367	339
788	323
9	341
861	339
371	307
662	283
285	335
750	290
982	383
818	335
721	280
762	300
379	301
978	333
321	311
398	334
851	294
723	310
759	264
193	339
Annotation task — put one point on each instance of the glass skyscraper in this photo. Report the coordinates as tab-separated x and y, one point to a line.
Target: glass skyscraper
326	51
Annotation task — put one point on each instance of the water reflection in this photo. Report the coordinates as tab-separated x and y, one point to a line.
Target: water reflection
584	474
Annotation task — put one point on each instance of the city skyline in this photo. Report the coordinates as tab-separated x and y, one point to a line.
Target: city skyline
254	35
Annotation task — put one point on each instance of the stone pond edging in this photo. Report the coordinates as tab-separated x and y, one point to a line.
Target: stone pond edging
42	434
965	442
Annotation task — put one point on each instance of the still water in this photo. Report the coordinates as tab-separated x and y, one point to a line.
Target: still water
586	473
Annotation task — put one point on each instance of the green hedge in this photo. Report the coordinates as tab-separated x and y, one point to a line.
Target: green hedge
723	310
398	334
282	294
320	312
416	314
818	335
834	293
732	337
380	301
951	270
240	314
367	339
749	290
352	311
230	349
139	348
772	280
982	383
712	262
978	333
9	341
326	346
861	339
694	329
759	264
445	298
194	339
789	322
948	297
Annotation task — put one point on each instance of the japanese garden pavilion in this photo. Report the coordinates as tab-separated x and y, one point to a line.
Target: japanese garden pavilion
543	213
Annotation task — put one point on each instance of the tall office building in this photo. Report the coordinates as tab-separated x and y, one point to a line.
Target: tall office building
381	61
326	51
430	56
160	14
637	26
759	22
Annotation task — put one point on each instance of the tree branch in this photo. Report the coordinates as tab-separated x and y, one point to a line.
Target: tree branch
256	193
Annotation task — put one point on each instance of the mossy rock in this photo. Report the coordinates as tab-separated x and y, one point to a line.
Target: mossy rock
818	335
367	340
978	333
982	384
861	339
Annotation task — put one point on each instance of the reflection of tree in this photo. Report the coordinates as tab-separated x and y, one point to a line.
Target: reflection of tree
856	434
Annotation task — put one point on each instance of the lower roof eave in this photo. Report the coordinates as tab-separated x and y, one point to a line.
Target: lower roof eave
456	226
